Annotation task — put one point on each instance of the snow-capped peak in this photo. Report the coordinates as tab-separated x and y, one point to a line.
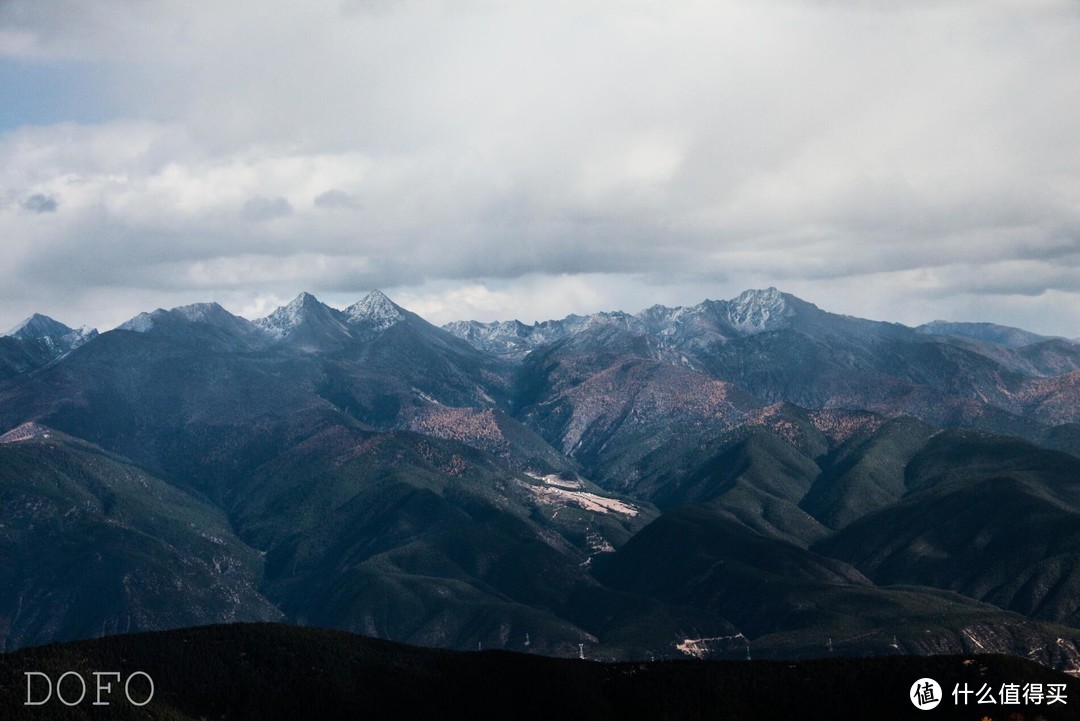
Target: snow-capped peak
39	326
375	309
199	312
303	300
286	318
709	322
296	308
757	311
142	322
56	337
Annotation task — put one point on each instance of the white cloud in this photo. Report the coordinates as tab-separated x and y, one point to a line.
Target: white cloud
494	150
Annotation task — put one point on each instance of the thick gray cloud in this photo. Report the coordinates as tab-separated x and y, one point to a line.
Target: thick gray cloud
335	198
898	160
262	208
40	203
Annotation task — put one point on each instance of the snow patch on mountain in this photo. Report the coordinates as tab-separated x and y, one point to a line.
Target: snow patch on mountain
141	323
57	338
759	311
505	337
370	315
39	326
196	313
375	311
752	312
288	318
199	312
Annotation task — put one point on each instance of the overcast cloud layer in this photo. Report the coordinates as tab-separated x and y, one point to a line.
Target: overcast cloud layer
900	160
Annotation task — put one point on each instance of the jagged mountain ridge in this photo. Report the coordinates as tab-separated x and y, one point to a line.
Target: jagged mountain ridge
400	481
304	323
780	348
767	346
753	311
750	313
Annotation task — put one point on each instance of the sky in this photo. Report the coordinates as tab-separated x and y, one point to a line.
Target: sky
903	160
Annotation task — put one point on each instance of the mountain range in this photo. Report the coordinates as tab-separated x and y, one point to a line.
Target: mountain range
752	473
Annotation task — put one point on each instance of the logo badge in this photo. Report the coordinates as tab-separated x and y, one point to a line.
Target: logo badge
925	694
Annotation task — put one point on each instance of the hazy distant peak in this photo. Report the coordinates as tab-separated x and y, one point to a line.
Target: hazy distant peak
503	337
986	332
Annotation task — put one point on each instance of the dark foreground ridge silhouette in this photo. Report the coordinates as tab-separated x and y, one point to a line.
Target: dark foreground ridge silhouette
270	671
